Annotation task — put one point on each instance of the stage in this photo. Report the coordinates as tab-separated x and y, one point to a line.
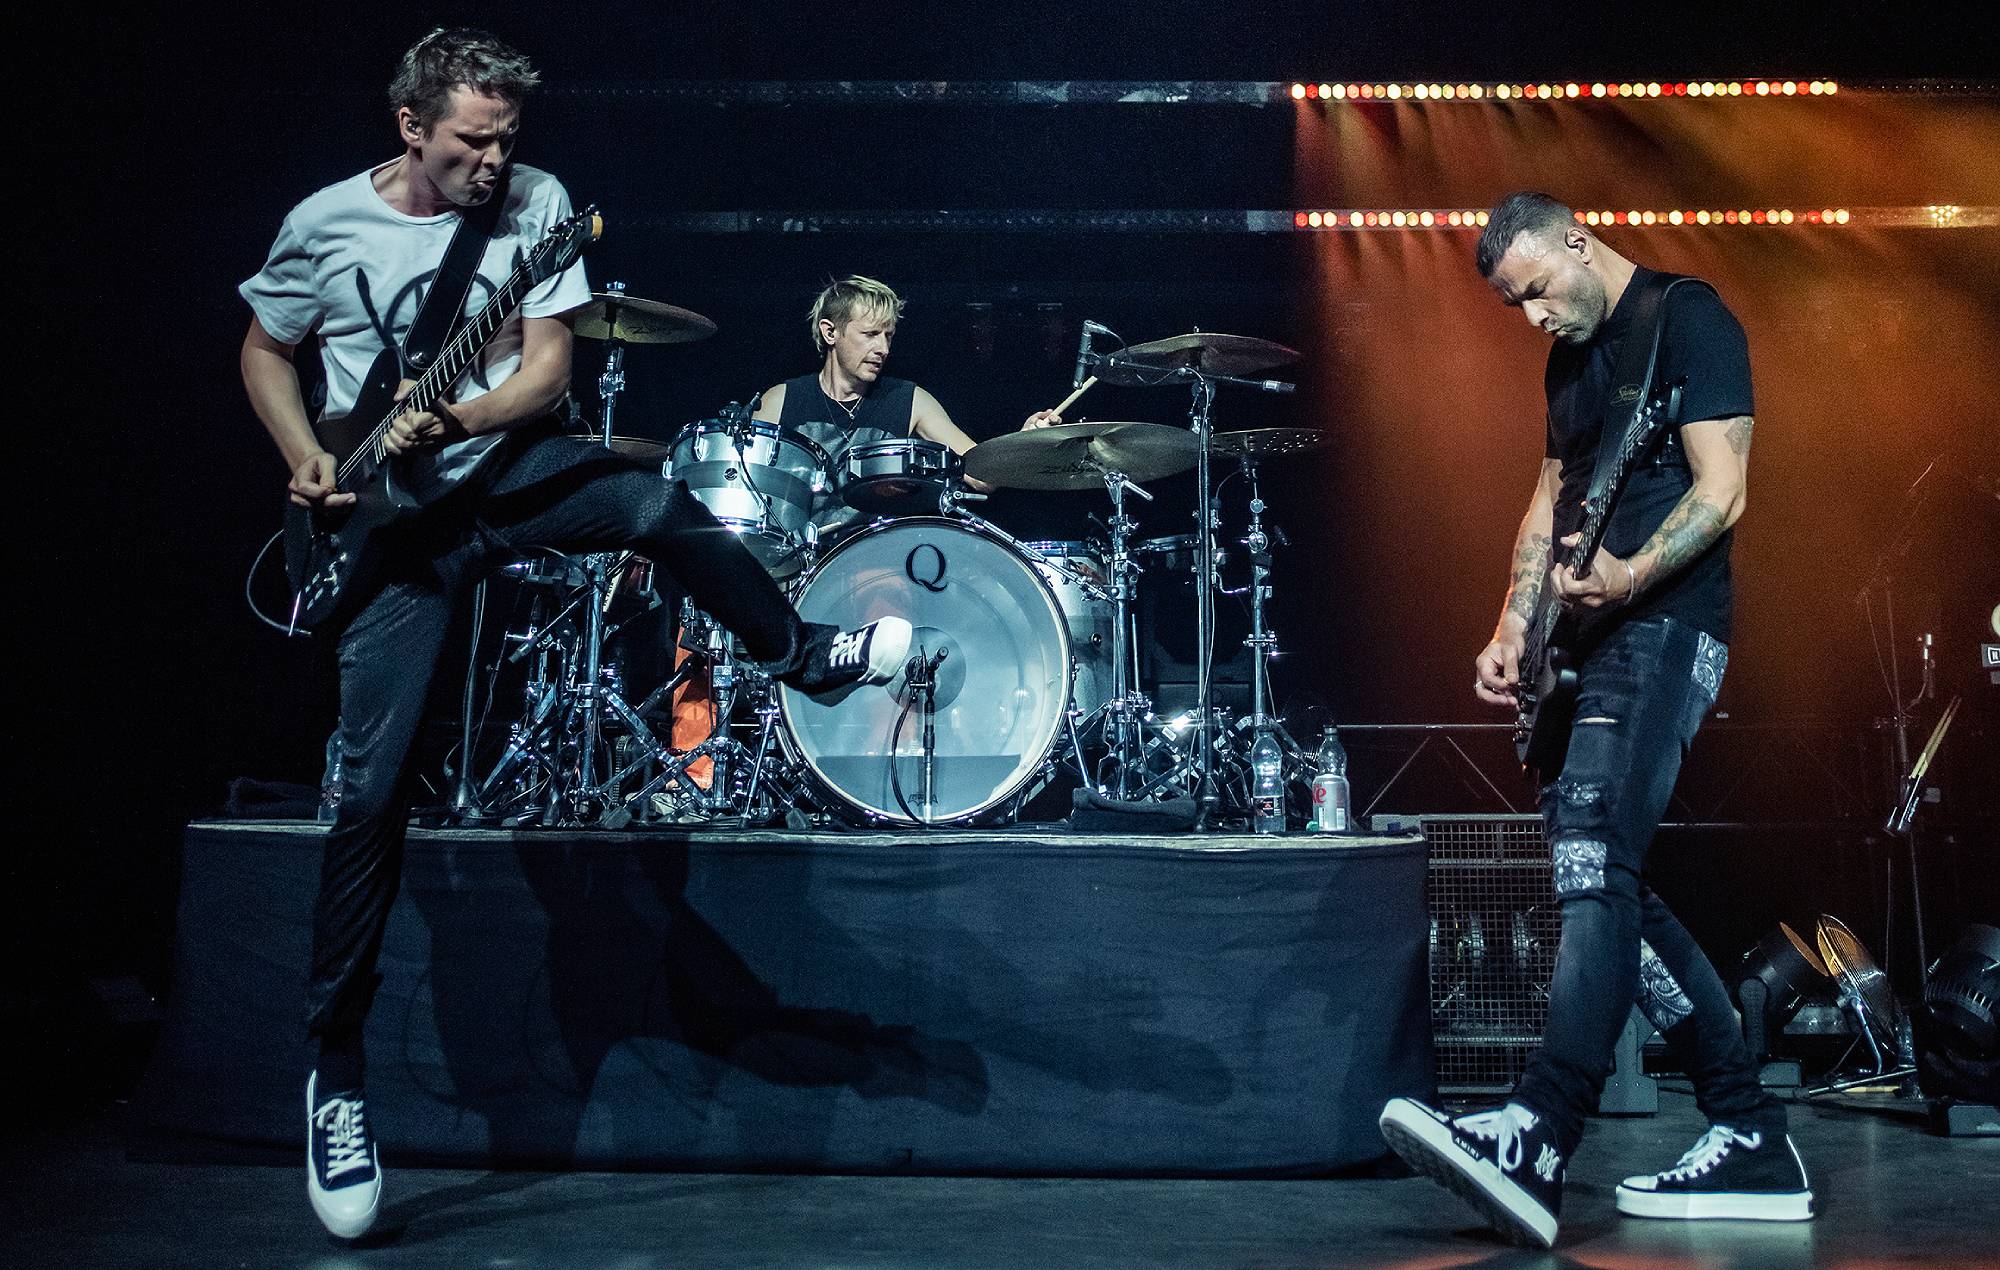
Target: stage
992	1002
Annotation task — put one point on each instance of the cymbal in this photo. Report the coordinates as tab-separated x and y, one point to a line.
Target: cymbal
1209	351
1257	443
1070	455
644	449
639	321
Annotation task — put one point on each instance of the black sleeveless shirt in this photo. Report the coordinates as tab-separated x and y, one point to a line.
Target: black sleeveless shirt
883	415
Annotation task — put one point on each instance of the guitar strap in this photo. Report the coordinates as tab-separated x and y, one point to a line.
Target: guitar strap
444	304
1632	372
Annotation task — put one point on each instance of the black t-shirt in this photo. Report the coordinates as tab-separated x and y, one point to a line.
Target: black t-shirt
1705	343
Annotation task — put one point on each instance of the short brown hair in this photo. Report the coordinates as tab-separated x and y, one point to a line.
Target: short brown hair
1524	213
852	295
444	59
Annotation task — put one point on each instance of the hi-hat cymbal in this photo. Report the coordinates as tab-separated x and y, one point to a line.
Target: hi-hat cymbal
1075	455
612	315
1208	351
644	449
1258	443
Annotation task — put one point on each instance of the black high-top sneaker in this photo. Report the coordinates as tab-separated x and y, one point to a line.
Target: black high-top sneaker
1503	1162
1730	1174
342	1175
838	661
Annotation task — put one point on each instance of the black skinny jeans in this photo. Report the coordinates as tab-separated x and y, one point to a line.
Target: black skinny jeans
1645	691
558	492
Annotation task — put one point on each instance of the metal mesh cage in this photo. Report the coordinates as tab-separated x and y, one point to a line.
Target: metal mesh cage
1494	925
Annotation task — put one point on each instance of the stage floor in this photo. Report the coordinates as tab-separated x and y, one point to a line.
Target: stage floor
1891	1196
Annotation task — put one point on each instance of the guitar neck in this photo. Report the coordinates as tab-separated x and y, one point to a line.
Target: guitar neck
431	386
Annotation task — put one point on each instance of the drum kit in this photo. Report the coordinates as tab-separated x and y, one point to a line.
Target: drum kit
1024	663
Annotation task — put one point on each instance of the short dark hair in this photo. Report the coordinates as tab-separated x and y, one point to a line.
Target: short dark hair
1524	213
444	59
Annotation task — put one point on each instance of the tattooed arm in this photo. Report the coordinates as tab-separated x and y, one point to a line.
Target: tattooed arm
1718	452
1499	664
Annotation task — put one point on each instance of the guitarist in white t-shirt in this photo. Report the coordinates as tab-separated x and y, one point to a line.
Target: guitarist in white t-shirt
489	474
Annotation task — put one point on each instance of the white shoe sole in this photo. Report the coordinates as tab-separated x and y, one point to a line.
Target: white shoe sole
342	1218
889	649
1427	1146
1721	1206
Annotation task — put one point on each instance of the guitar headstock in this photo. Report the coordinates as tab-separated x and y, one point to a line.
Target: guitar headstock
565	242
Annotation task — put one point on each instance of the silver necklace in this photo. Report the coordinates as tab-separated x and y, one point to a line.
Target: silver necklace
850	411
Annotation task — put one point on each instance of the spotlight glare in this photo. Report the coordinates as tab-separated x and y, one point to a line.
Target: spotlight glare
1354	219
1326	90
1763	89
1785	216
1484	217
1832	88
1673	218
1596	90
1395	92
1298	92
1649	218
1590	218
1421	92
1790	88
1735	89
1701	218
1840	216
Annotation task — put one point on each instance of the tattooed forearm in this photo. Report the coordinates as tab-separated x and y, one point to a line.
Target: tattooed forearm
1738	436
1531	565
1692	526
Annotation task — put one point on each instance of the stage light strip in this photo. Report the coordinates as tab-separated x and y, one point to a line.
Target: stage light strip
1934	216
1081	92
1348	91
1257	221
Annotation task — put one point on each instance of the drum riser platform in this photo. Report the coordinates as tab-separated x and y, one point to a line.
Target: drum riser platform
997	1002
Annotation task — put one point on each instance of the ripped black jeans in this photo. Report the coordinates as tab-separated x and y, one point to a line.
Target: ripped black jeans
1645	691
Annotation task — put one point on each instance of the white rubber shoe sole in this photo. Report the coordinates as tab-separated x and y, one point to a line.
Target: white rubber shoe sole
1720	1205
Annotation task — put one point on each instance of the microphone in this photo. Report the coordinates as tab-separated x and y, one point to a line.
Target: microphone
1090	331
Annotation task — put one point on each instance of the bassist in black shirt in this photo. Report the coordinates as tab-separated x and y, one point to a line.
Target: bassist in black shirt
1651	611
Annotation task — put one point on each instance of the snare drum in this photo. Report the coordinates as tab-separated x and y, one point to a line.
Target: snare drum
1002	689
759	480
902	477
1074	573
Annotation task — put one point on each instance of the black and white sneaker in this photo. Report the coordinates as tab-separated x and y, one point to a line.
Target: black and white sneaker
1503	1162
1727	1174
342	1174
839	661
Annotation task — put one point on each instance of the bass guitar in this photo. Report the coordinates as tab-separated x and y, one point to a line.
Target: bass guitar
1546	696
332	555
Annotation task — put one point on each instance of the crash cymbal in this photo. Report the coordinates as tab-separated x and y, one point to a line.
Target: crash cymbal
1257	443
1209	351
1074	455
643	449
639	321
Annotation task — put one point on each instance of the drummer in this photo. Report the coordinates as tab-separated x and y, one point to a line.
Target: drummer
849	401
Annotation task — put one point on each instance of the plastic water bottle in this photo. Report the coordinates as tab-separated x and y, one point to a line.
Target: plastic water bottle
1267	785
1332	800
330	780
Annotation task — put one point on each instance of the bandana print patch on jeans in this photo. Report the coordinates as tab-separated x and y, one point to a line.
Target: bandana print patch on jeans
1711	658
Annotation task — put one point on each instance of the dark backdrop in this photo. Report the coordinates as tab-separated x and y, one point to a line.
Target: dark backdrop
162	154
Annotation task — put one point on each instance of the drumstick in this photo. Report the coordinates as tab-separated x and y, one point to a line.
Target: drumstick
1070	400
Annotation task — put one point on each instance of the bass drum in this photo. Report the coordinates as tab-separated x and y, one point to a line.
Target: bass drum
1002	689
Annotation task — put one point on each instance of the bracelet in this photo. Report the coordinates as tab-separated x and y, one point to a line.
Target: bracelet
1632	581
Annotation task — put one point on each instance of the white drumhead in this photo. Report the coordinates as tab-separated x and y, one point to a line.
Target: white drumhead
1002	688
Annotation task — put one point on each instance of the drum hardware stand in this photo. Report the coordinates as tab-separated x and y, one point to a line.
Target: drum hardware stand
1262	641
920	679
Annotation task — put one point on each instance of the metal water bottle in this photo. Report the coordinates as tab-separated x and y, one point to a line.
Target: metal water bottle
1331	811
1267	785
330	780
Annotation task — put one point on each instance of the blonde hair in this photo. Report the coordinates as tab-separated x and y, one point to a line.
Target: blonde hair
844	300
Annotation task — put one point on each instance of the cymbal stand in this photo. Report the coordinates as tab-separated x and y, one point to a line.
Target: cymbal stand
1201	413
1262	641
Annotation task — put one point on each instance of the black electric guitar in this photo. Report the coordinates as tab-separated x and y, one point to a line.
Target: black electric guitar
331	555
1546	695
